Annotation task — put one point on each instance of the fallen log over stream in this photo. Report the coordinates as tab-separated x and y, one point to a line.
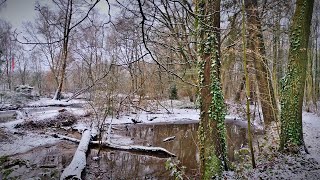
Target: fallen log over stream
136	148
79	161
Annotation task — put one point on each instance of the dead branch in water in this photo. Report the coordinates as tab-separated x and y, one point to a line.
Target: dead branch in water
137	148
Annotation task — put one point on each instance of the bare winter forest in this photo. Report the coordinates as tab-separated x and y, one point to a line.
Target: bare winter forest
159	89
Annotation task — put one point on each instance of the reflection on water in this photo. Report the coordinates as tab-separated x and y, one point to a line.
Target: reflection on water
125	165
116	164
6	116
43	162
236	138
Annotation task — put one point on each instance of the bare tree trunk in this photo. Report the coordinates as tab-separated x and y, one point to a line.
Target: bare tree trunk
277	59
257	54
244	45
66	33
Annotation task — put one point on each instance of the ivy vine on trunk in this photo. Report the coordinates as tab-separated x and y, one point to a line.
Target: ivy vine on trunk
213	159
294	82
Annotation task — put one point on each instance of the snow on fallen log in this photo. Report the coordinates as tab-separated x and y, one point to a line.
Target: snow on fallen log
78	163
138	148
169	138
75	140
135	148
94	131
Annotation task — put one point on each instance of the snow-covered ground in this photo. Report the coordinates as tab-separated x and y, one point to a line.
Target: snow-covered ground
311	129
52	102
277	166
284	166
20	143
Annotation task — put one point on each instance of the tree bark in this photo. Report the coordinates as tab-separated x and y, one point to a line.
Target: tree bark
294	82
212	127
244	46
66	34
257	55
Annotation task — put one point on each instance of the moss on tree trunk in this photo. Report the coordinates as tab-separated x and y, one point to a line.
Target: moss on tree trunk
294	82
212	127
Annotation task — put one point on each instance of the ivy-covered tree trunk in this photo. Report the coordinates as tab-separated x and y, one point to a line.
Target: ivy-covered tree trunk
294	82
212	127
257	56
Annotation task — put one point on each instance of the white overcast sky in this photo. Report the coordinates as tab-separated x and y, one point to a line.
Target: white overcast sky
18	11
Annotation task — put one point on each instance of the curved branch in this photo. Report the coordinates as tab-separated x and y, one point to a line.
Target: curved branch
149	51
85	17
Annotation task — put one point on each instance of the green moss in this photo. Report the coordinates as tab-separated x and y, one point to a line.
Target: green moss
213	167
292	91
213	159
4	159
6	173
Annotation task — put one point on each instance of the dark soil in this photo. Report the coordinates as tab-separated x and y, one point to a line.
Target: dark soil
64	118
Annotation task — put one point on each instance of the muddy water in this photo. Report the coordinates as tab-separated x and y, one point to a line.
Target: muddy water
43	162
47	162
6	116
115	164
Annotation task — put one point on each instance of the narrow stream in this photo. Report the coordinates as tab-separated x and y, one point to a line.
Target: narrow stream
115	164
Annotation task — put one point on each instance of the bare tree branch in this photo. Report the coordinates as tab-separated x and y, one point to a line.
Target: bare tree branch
149	51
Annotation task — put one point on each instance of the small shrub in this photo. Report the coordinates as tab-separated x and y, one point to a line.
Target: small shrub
175	171
173	94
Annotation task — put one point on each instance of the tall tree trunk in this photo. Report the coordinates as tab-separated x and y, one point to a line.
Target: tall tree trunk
294	82
244	46
66	33
257	54
277	59
212	127
316	70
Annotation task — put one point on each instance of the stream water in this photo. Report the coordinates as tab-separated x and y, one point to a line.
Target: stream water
115	164
6	116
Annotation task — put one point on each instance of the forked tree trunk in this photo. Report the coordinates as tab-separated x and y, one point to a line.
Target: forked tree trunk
66	33
294	82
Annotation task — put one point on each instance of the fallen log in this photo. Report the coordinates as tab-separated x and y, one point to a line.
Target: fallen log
137	148
78	163
169	138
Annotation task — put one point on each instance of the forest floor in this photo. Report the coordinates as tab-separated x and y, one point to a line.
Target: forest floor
274	165
27	145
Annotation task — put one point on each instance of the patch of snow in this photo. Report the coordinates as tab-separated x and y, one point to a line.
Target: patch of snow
121	140
11	124
24	143
185	115
311	127
80	126
274	165
52	102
